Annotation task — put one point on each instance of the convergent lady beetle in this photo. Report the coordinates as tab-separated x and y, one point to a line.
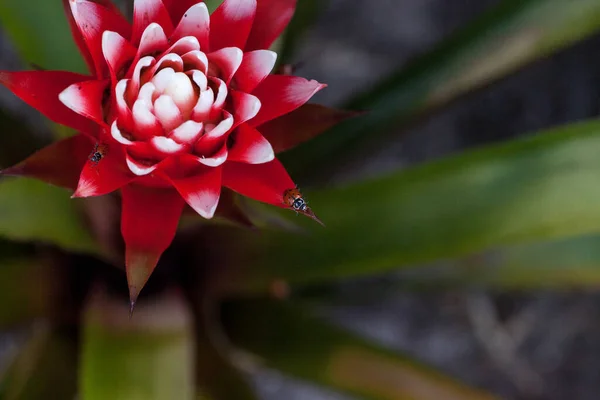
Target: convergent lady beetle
98	153
293	199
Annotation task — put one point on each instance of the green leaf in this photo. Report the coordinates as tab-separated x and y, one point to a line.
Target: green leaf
149	357
45	368
501	41
34	211
557	264
290	339
537	188
212	4
41	34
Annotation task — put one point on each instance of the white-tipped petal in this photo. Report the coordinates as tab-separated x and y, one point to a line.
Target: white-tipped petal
118	136
188	132
200	79
184	45
182	92
196	60
138	168
204	105
220	129
167	113
228	60
215	160
153	40
166	145
195	22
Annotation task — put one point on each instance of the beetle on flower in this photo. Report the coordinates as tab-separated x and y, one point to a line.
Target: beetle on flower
182	102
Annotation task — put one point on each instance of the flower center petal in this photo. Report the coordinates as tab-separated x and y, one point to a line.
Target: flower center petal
180	89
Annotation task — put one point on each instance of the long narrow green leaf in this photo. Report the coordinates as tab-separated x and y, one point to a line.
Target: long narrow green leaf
558	264
34	211
45	368
499	42
538	188
41	34
291	340
147	358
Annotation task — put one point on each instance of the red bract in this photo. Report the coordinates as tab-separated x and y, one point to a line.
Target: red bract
173	111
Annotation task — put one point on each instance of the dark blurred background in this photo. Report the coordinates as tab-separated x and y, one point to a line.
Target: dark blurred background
534	345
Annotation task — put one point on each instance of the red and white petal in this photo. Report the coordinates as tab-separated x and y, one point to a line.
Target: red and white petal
93	20
272	17
40	89
167	113
219	130
117	53
58	164
227	60
204	105
184	45
199	79
146	125
216	159
170	60
230	24
249	146
178	8
149	220
146	12
220	98
116	134
180	89
153	40
78	37
255	67
188	132
166	146
196	60
124	113
201	191
133	87
85	98
281	94
195	22
105	176
245	106
138	168
262	182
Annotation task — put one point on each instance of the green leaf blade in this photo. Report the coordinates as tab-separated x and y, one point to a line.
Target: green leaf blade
509	36
308	348
34	211
528	190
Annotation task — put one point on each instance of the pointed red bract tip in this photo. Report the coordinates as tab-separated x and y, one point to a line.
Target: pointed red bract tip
131	307
139	267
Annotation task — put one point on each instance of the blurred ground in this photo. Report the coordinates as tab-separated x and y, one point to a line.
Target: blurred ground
540	345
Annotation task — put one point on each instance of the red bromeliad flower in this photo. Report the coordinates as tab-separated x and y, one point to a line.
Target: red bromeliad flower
177	106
